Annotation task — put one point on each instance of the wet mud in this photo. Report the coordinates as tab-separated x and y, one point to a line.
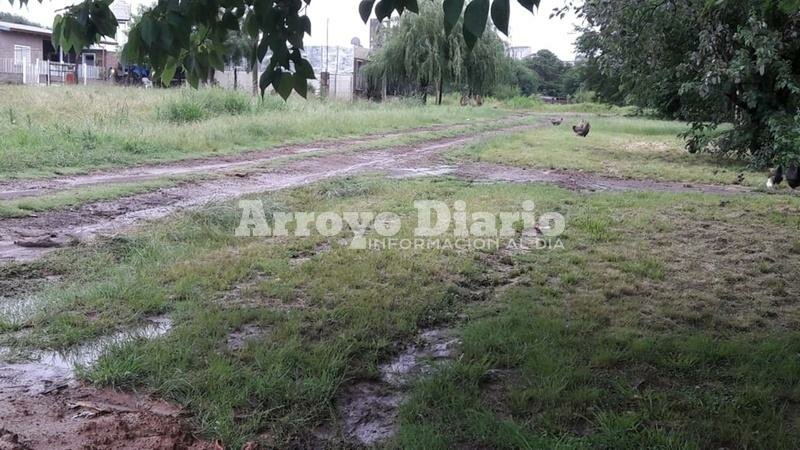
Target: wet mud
43	406
369	408
585	181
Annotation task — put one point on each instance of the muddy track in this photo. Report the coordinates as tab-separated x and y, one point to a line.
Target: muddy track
11	190
27	238
24	239
586	181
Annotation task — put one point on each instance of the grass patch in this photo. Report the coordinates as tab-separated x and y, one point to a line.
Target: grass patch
75	197
77	128
617	146
600	344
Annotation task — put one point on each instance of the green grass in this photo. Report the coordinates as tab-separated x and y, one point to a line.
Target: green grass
617	146
641	332
75	197
73	129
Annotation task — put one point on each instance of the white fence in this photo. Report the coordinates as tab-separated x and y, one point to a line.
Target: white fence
46	72
341	85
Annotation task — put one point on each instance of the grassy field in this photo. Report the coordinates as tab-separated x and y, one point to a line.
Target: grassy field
666	321
617	146
66	130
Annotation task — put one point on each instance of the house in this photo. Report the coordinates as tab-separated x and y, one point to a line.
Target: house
518	52
27	54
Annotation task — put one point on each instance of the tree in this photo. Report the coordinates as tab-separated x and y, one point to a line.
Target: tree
421	57
514	78
710	63
13	18
550	70
190	34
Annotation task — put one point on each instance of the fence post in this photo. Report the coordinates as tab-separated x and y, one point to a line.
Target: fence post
85	74
24	71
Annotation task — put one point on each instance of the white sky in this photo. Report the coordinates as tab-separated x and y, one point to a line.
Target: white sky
537	31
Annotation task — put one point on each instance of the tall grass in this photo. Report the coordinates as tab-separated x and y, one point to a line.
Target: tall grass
47	130
194	105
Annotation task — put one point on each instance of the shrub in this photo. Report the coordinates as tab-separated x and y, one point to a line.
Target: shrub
522	102
193	105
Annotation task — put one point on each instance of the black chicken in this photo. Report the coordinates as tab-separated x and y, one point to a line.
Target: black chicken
557	122
582	129
791	174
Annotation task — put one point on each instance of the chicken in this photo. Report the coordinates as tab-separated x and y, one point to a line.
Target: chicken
557	122
582	129
791	174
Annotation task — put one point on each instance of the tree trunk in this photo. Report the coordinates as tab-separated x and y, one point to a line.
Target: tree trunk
235	79
254	70
441	89
254	73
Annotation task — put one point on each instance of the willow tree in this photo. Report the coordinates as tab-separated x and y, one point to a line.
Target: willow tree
421	56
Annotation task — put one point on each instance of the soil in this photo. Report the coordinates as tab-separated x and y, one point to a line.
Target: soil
81	417
58	228
586	181
369	408
11	190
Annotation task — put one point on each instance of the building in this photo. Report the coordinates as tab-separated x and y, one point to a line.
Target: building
27	54
21	45
519	52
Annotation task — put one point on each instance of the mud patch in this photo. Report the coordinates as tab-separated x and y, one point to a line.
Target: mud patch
85	417
44	371
369	409
239	338
586	181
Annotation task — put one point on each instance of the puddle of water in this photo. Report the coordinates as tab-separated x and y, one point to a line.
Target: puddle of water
369	409
48	368
415	172
16	310
88	354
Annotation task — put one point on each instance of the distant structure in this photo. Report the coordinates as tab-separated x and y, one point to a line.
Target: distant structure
519	52
122	11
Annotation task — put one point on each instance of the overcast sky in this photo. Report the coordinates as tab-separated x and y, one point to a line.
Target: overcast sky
536	31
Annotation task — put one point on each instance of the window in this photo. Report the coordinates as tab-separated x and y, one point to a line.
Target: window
22	54
88	59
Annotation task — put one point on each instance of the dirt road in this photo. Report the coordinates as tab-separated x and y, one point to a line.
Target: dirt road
27	238
24	239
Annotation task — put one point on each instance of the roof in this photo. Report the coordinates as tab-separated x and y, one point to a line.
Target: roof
29	29
121	10
45	32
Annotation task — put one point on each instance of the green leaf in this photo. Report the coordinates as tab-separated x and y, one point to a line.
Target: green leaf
149	30
230	21
301	86
384	9
365	9
305	70
284	84
475	18
251	25
500	15
529	4
169	71
452	12
265	80
305	25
